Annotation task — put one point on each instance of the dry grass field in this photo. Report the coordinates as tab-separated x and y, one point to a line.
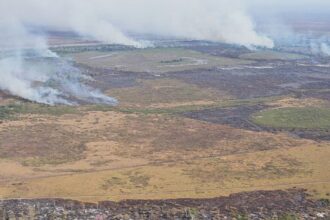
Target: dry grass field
146	147
97	155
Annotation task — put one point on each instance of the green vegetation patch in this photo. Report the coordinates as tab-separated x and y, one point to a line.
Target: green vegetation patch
301	118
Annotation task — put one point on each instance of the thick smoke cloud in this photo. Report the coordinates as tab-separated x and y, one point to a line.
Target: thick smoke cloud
47	79
30	70
110	20
114	22
301	23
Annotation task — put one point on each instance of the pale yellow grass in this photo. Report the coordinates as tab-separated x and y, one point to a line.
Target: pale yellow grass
173	180
157	157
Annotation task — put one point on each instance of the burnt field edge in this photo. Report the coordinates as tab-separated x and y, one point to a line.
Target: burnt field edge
293	202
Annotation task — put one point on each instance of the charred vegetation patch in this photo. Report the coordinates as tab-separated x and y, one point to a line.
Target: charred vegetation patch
238	117
240	86
279	204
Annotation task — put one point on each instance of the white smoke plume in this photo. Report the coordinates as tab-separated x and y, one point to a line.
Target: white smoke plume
325	48
295	23
47	79
110	20
30	70
320	47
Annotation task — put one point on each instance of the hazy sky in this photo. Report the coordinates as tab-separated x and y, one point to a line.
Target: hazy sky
108	20
231	21
276	7
290	4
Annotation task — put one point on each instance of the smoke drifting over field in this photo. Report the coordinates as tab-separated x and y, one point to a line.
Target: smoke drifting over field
24	71
109	21
47	79
28	69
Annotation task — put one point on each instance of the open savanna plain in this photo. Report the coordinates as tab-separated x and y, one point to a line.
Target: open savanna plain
189	124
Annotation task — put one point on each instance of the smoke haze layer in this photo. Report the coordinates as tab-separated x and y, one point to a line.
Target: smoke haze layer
47	79
112	21
30	70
